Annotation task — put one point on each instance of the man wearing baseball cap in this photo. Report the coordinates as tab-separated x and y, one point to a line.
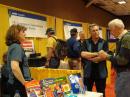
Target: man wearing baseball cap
52	61
73	50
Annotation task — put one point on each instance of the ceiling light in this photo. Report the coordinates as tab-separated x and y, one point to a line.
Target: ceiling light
121	2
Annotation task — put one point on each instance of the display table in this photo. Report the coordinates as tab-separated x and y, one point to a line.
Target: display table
90	94
40	73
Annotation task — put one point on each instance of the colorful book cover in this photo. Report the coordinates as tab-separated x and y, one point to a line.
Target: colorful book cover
48	86
33	89
66	88
76	83
62	86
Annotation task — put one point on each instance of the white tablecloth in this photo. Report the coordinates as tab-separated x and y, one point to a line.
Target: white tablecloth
90	94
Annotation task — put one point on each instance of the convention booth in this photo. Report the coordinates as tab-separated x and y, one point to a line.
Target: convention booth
35	45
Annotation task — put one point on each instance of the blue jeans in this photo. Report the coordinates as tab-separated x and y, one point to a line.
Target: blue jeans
54	62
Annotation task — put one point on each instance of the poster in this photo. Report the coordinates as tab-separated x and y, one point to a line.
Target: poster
36	25
110	37
68	26
28	47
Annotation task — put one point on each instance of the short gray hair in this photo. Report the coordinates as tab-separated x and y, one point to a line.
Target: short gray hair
91	26
116	23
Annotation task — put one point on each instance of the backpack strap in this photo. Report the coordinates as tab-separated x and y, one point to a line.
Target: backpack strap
54	38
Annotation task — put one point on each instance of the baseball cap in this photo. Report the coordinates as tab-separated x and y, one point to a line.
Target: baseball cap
50	30
73	31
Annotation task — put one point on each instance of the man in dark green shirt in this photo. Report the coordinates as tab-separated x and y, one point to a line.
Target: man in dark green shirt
121	60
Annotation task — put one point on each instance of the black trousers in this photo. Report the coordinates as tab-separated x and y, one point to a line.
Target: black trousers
13	88
100	84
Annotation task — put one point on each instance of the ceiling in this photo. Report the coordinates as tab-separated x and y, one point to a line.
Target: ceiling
111	6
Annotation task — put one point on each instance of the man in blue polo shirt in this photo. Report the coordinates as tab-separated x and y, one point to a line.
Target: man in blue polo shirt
73	50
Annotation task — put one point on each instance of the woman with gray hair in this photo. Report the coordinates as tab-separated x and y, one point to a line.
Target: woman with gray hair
121	60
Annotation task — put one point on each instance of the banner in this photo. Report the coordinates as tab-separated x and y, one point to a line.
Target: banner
68	26
36	25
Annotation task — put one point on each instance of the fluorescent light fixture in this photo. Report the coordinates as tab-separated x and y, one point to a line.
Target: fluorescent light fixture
122	2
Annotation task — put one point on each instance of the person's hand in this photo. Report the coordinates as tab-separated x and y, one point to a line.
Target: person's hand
95	59
47	64
88	55
102	54
25	83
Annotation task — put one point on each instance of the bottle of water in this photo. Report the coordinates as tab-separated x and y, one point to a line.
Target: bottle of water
17	94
